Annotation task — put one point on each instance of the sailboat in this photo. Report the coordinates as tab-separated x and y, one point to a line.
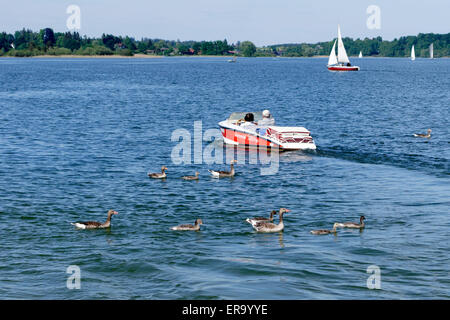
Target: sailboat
232	60
341	61
360	54
413	53
431	51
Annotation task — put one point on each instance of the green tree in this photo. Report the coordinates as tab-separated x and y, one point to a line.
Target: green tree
109	41
248	49
48	37
142	47
129	43
5	41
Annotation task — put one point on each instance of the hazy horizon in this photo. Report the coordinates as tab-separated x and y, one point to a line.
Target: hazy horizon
262	22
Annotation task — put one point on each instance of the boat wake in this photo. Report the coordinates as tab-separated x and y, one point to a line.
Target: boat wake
439	167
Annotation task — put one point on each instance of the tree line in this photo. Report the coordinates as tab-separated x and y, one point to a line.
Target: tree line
26	43
400	47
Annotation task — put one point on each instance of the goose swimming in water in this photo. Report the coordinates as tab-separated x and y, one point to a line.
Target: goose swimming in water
256	220
194	227
324	231
94	224
421	135
271	227
221	174
353	225
191	177
161	175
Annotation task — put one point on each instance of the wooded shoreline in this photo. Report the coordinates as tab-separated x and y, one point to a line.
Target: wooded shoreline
47	43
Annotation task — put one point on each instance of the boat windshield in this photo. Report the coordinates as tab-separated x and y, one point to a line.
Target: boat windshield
240	115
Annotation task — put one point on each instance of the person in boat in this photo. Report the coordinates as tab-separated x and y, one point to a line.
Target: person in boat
248	122
348	64
267	119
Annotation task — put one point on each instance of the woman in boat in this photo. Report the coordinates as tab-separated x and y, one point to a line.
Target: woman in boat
249	123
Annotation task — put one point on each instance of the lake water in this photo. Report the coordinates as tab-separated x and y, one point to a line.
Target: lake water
78	136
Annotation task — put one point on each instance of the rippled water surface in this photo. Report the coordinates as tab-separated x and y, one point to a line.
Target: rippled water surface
78	136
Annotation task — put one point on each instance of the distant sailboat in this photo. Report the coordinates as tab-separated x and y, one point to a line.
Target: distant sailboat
360	54
413	54
233	60
341	61
431	51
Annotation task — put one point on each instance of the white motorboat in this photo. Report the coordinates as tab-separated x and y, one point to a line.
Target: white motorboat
284	138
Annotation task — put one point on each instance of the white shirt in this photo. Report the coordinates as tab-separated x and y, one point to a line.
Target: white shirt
248	125
265	122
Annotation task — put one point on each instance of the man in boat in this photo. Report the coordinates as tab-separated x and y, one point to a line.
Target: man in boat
267	119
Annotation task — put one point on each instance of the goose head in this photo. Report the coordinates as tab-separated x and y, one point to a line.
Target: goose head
111	213
196	173
163	168
283	210
233	162
198	221
362	218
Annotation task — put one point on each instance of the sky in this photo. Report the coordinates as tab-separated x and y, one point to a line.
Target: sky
261	21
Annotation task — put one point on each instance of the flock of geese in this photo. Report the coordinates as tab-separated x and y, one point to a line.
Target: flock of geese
260	224
351	225
214	173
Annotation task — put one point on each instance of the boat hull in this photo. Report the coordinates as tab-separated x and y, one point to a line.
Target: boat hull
265	138
343	68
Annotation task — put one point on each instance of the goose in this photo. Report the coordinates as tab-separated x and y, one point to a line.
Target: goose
324	231
94	224
253	221
161	175
194	227
221	174
353	225
191	177
271	227
421	135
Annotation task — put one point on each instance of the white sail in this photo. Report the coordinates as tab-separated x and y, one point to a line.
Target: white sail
342	54
431	51
333	59
360	55
413	53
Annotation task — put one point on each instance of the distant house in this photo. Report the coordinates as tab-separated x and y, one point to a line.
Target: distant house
191	51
